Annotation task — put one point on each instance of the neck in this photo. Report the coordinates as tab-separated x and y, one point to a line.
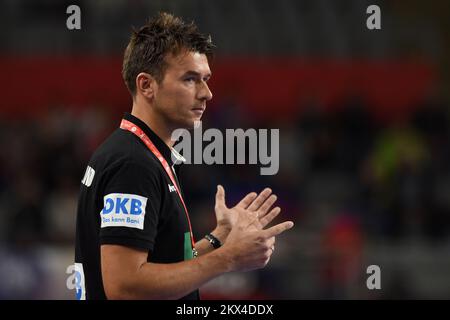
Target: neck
154	121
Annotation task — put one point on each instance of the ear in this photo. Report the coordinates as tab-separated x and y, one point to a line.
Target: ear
145	84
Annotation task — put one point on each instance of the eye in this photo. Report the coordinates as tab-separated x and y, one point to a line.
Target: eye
190	79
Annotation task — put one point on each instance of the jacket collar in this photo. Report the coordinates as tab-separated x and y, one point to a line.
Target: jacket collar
170	154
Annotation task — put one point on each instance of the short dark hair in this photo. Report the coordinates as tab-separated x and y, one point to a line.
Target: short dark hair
164	34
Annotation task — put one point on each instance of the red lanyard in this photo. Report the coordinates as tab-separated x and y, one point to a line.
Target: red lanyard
127	125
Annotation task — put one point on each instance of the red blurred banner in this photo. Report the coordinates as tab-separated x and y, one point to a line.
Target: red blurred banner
272	87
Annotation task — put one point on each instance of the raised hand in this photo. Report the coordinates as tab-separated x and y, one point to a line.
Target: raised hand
227	217
251	204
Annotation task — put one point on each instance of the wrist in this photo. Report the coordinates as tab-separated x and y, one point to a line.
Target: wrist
226	258
215	243
220	233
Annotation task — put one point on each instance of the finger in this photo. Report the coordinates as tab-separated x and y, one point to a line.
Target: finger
271	242
277	229
267	205
264	221
247	200
260	199
220	196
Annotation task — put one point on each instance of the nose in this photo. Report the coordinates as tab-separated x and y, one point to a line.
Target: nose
204	93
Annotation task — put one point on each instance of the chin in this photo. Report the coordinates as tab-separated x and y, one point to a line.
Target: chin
189	124
194	120
195	124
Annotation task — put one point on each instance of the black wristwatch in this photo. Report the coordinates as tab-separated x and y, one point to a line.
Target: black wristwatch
213	240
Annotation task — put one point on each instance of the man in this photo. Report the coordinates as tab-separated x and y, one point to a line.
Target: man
134	238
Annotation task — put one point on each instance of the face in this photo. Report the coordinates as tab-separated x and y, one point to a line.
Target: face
181	97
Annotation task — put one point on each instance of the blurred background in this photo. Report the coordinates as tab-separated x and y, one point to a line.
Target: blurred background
364	138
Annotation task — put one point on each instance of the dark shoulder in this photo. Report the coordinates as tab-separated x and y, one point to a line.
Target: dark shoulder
123	148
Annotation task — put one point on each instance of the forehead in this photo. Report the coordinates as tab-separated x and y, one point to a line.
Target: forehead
188	61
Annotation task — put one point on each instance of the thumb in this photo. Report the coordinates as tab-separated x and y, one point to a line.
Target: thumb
220	196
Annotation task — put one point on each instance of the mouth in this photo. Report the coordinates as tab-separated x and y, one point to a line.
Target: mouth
198	110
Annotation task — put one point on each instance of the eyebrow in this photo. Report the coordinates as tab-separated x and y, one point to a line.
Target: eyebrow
195	73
